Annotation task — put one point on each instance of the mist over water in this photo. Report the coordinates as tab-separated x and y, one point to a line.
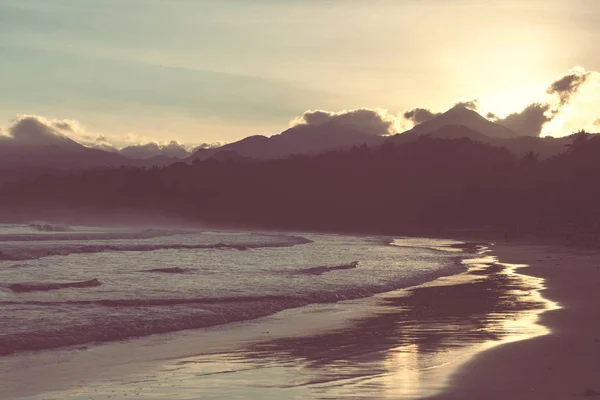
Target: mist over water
95	284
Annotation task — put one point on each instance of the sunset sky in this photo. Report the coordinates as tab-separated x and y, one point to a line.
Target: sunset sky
206	71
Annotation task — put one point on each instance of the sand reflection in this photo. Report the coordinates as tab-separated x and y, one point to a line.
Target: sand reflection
411	347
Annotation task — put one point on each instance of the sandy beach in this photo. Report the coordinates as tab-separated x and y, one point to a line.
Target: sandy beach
484	334
564	364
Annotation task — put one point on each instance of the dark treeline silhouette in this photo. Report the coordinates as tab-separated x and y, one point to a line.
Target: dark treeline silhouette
423	187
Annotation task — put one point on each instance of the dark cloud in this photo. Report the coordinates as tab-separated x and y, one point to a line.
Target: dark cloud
568	85
372	121
530	121
419	115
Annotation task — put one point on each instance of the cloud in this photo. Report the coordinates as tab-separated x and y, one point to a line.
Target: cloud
152	149
531	120
471	104
32	130
567	86
594	126
170	149
372	121
207	146
99	142
419	115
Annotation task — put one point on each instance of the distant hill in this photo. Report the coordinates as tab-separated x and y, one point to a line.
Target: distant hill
462	116
67	154
460	122
301	139
27	158
444	132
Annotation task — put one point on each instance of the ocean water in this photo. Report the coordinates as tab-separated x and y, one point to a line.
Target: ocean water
77	286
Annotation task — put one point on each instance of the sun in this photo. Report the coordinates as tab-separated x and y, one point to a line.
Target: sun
511	100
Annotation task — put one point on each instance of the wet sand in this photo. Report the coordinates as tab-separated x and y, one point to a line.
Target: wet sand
562	365
450	338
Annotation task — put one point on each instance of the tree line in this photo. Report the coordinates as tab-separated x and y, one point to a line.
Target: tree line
423	187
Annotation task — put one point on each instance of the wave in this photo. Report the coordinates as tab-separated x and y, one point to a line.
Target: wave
174	270
68	236
323	270
159	302
137	317
23	254
51	227
47	286
440	245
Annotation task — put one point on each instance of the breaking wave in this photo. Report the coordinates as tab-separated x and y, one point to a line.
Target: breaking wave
22	254
152	293
325	269
74	235
47	286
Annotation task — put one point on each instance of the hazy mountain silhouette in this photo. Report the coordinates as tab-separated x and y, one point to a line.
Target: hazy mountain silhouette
300	139
462	116
28	156
460	122
445	132
422	187
58	152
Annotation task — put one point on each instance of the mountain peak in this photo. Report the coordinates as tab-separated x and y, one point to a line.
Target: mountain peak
462	110
461	115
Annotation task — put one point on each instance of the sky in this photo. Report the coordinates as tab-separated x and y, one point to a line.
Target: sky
205	71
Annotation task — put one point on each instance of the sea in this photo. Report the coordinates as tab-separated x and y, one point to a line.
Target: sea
69	286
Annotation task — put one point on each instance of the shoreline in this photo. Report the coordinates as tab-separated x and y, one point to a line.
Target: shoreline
565	364
434	359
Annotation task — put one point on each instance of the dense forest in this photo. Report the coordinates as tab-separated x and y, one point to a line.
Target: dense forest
427	186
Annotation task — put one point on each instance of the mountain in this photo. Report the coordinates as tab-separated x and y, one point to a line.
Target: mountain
519	146
62	153
459	122
300	139
27	156
461	116
444	132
